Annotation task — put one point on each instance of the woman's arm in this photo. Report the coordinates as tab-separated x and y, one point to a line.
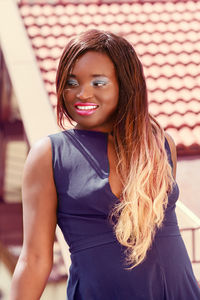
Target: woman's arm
39	220
173	152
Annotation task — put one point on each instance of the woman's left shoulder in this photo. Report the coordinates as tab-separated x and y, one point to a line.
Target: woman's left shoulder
173	151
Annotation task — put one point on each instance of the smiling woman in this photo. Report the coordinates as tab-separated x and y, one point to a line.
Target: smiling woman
91	93
109	183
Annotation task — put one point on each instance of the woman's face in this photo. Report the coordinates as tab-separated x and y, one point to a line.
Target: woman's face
92	91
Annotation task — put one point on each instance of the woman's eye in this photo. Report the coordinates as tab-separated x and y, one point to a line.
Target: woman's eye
99	83
71	83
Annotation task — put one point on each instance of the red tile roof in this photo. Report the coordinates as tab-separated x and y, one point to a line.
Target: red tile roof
166	36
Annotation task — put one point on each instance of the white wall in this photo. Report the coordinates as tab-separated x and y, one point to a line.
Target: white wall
188	206
188	179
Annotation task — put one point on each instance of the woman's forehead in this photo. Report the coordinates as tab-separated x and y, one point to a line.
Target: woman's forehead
96	62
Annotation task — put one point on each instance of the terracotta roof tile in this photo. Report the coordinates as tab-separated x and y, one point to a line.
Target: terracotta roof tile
165	35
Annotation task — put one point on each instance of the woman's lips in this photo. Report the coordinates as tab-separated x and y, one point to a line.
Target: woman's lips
85	109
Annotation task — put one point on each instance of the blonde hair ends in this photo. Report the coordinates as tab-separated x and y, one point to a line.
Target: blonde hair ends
147	182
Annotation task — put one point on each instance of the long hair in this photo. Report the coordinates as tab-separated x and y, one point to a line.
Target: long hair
143	165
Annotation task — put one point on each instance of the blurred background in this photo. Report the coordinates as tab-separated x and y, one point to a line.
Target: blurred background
166	36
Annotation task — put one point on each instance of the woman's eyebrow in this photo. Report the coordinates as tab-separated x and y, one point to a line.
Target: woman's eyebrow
92	75
99	75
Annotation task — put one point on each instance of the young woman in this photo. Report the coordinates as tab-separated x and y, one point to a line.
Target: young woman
109	183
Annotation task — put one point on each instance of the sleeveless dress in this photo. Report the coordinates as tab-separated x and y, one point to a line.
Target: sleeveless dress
98	270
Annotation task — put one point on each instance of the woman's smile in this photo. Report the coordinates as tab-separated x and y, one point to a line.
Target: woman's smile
85	108
92	91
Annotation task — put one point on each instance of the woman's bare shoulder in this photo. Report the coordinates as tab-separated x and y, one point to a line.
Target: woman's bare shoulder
38	164
42	147
40	151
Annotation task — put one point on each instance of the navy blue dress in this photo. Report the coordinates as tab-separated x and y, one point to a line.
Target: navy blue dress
98	270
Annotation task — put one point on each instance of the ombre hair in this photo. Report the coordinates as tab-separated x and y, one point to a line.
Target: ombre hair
143	165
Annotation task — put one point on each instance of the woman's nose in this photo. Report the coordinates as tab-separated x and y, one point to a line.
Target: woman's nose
84	92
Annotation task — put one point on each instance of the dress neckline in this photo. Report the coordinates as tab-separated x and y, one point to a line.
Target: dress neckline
90	131
107	163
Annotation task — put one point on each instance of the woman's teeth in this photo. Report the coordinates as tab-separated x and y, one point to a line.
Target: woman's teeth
87	107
